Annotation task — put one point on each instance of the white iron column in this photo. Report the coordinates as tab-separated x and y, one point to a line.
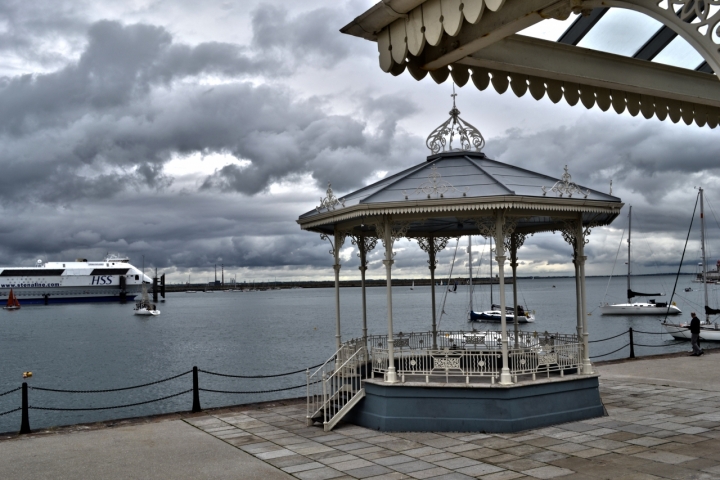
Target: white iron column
363	269
388	241
432	262
514	264
580	259
505	378
364	244
578	295
339	239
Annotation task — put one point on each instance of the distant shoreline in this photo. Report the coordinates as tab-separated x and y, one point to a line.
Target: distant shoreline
397	282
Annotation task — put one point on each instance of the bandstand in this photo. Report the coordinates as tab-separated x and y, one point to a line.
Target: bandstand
486	381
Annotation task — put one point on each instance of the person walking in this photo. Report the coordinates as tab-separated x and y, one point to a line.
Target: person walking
695	335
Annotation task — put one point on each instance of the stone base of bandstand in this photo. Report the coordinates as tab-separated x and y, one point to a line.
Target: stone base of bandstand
416	406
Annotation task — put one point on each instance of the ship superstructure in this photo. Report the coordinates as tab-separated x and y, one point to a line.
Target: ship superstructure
111	280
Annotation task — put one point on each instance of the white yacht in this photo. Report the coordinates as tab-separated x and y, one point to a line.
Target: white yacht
112	280
651	307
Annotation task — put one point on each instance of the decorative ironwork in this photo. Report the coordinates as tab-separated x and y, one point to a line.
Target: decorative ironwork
446	363
519	239
397	230
331	201
565	186
468	136
432	245
336	242
435	186
701	18
486	225
475	340
401	342
365	244
460	354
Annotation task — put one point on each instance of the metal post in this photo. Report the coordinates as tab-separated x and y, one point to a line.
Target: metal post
387	240
514	264
308	421
196	392
505	378
363	268
431	252
336	267
578	297
581	258
325	398
632	343
25	419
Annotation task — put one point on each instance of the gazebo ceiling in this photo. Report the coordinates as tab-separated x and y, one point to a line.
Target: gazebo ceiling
477	40
450	191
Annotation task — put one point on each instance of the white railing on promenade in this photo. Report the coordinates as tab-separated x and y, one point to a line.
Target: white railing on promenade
476	354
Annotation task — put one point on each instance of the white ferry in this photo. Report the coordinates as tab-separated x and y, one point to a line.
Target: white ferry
112	280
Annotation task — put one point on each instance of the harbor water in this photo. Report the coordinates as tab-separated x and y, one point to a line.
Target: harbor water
104	346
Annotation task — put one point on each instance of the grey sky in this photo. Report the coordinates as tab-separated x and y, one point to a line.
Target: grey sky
197	136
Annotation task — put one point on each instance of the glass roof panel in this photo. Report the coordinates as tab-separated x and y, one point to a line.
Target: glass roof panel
549	29
621	31
679	53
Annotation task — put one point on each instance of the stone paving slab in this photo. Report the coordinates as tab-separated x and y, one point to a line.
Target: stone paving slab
655	429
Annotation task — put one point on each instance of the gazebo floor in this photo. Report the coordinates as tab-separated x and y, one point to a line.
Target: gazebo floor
476	407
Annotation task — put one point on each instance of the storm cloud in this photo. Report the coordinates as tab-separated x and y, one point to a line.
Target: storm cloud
197	138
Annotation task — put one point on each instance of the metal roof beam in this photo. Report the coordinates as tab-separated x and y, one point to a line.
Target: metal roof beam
565	63
582	26
704	67
655	45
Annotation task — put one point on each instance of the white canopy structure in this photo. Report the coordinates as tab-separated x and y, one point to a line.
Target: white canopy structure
478	41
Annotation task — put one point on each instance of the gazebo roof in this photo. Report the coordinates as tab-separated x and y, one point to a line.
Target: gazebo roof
444	196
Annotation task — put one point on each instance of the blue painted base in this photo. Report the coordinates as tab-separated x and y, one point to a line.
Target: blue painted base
477	408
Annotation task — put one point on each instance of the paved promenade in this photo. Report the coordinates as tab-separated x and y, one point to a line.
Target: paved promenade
663	423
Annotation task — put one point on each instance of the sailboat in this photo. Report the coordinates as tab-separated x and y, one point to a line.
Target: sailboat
143	306
12	302
651	307
708	331
412	287
495	314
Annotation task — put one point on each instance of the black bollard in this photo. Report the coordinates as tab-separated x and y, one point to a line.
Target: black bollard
25	421
632	344
196	392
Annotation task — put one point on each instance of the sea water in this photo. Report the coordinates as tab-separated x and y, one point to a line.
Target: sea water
105	346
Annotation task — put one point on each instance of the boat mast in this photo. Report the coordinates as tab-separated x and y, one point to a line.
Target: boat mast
470	266
702	250
628	240
491	277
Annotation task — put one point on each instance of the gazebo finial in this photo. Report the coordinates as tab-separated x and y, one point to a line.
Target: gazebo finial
468	135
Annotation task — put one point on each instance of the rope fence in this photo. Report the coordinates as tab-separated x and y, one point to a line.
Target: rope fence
25	405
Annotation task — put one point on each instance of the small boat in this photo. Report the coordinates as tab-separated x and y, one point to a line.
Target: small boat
412	287
688	289
143	306
494	315
12	302
651	307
